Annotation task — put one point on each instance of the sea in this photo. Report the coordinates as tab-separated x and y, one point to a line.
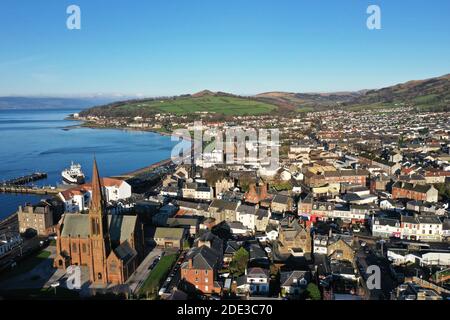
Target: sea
44	141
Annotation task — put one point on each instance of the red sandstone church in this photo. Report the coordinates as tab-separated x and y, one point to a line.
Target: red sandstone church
111	246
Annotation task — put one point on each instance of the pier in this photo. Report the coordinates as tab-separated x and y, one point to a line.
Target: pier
30	190
26	179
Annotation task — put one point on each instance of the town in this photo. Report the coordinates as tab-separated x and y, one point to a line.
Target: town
352	190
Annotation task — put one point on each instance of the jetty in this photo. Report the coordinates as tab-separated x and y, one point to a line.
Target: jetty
30	190
26	179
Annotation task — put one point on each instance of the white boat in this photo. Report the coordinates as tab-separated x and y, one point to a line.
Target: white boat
73	175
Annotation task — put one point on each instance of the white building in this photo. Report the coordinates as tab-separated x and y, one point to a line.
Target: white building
77	199
386	228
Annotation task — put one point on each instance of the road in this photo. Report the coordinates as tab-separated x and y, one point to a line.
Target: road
140	275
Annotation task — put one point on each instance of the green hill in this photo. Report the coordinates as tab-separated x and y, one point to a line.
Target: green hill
205	101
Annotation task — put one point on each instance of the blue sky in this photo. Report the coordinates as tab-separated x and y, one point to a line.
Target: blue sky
165	47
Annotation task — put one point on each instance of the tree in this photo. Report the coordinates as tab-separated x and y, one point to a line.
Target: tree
313	291
239	262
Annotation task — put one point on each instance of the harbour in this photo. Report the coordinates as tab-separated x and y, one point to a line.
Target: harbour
117	151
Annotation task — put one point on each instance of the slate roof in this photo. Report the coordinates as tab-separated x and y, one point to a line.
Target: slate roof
120	228
169	233
287	278
125	252
203	258
258	273
223	205
246	209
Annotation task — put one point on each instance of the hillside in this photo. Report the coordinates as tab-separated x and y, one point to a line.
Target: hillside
308	101
425	94
204	101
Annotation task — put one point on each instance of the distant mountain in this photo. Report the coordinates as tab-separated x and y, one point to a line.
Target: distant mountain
50	103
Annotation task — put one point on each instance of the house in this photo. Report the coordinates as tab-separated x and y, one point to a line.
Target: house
340	250
294	238
254	282
262	219
294	283
247	216
199	270
409	227
386	227
209	239
238	228
223	185
223	210
257	256
320	244
272	232
430	228
230	250
75	199
170	237
405	190
113	189
281	203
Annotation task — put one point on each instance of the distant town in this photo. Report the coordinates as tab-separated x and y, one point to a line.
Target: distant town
356	209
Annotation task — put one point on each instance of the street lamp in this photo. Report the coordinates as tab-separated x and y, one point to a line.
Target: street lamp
54	286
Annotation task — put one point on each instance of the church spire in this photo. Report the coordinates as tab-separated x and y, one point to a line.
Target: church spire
97	194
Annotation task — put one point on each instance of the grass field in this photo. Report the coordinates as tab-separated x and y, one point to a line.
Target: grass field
158	275
213	104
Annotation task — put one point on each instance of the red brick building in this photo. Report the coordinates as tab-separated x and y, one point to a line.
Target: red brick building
111	246
199	271
419	192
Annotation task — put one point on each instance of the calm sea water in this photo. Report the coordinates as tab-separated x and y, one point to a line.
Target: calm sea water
34	140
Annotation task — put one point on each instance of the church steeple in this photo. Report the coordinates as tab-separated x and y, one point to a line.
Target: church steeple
97	202
99	231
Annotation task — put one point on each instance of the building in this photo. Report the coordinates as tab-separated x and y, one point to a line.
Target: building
39	217
199	270
294	283
170	237
256	193
405	190
223	185
293	238
281	204
110	246
223	210
386	227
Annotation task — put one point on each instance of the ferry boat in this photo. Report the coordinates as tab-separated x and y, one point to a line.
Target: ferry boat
73	175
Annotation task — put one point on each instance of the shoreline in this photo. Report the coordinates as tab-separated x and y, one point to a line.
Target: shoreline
85	124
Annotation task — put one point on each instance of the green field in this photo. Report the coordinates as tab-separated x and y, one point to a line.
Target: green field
158	275
225	105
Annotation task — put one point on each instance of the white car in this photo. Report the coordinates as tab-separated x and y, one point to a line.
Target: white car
268	250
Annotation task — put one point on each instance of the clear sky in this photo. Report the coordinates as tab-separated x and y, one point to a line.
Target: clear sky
165	47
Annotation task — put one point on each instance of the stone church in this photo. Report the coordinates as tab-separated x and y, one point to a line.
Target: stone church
111	246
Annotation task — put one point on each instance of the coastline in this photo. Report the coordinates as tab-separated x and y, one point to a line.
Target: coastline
85	124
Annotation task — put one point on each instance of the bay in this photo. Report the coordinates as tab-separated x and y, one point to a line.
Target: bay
36	140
